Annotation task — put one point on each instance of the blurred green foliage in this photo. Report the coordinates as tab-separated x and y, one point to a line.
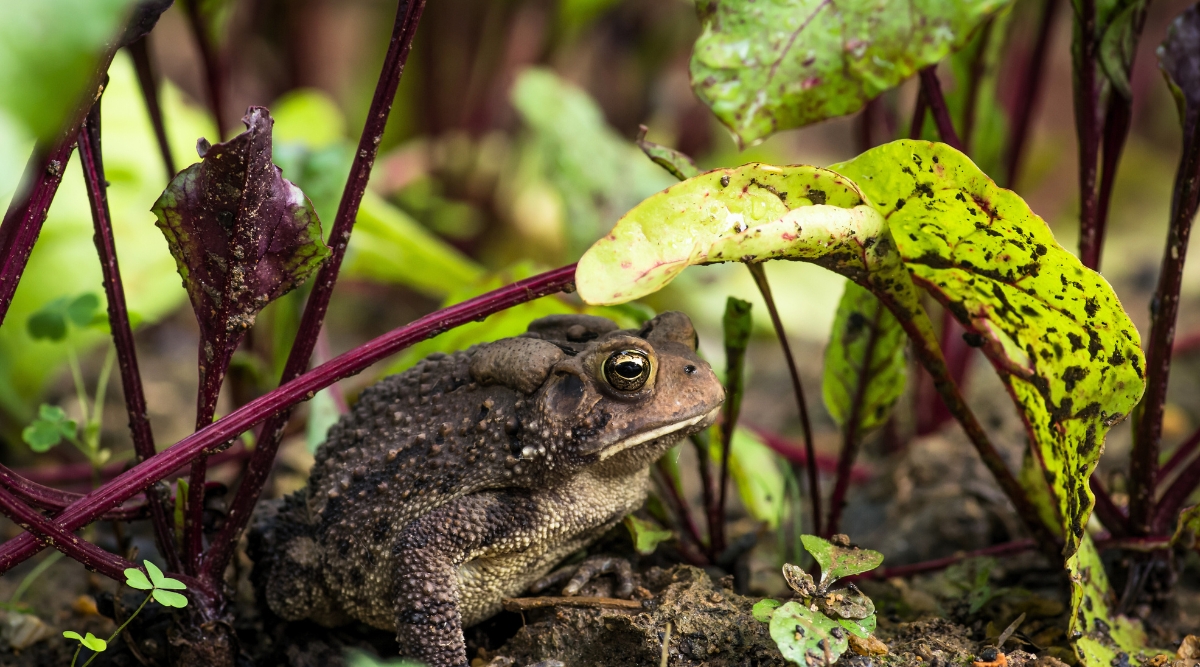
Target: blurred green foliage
135	175
597	174
757	473
49	50
387	246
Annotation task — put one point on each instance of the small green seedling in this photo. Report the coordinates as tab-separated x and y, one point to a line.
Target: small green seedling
52	323
816	628
162	590
160	586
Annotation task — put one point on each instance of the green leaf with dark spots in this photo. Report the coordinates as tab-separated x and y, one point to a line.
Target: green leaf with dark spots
1054	329
241	234
1101	637
677	164
861	628
865	366
847	603
838	562
764	609
763	67
807	637
754	213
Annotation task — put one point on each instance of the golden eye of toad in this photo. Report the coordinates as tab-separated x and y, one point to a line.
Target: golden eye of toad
627	370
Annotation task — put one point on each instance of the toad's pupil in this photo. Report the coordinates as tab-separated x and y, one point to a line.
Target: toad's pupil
627	370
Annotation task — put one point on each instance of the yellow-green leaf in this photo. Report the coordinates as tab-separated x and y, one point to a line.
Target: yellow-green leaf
756	473
1100	637
646	535
1054	329
865	367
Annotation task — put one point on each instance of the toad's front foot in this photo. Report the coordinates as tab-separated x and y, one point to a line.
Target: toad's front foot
580	574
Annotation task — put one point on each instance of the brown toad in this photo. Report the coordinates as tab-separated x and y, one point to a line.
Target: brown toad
466	478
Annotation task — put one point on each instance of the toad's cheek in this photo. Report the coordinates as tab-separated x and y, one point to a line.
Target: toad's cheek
660	432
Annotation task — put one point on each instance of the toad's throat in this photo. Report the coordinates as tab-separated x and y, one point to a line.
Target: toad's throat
657	433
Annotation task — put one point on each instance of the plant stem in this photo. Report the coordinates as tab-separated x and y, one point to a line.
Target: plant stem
737	323
212	374
148	82
978	64
1087	125
1028	92
917	125
932	88
1005	549
1165	307
851	437
1180	456
27	581
102	387
48	498
1111	516
117	632
957	353
118	321
679	505
23	221
795	453
864	128
213	68
1116	130
76	655
91	556
77	377
130	482
408	15
760	279
77	473
708	487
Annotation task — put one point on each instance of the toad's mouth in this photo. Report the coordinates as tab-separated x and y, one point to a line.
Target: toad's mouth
655	434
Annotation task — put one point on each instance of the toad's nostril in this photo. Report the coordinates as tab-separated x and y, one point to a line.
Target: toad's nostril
689	369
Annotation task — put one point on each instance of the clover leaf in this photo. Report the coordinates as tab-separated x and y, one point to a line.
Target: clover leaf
135	578
89	641
51	320
49	429
159	585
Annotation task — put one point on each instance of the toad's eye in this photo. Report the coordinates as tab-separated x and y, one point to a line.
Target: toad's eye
627	370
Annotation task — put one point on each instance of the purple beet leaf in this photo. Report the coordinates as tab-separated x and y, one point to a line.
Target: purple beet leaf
241	235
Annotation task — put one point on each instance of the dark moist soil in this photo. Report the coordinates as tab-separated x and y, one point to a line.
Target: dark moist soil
927	622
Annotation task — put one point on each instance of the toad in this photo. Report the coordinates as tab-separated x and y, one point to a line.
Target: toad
468	477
